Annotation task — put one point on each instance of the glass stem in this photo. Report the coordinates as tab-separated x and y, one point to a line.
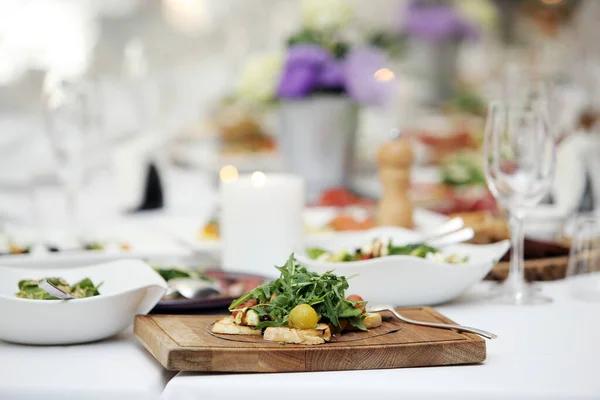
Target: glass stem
516	276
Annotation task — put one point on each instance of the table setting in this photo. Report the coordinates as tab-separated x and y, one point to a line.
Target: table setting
396	199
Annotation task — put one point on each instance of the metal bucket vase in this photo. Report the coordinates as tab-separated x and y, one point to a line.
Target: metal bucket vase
317	137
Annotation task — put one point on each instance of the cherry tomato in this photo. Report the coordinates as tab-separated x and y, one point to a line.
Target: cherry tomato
359	300
365	257
248	303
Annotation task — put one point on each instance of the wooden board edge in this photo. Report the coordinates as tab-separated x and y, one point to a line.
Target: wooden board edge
431	355
160	346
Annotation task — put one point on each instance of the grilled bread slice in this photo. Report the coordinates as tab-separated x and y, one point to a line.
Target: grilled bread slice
228	326
319	335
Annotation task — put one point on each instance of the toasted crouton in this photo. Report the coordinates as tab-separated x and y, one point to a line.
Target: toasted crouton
319	335
228	326
371	320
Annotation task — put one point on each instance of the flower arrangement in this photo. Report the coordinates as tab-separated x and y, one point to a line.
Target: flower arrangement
436	21
318	59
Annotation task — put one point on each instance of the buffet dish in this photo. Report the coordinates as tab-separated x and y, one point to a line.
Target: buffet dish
108	298
405	279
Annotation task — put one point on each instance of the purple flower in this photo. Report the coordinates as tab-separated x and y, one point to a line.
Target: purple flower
361	65
310	68
307	54
332	74
436	22
302	71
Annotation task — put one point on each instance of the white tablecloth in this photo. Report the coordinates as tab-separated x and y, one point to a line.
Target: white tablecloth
543	352
117	369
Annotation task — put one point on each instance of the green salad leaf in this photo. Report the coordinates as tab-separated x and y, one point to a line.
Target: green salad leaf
296	285
314	252
29	289
417	250
173	273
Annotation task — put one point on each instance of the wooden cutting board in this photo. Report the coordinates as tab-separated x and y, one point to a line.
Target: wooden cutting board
185	343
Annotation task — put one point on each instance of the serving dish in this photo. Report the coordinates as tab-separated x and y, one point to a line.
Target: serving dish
129	288
405	280
233	284
185	343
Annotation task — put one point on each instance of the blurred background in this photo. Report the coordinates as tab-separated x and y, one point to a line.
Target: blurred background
112	107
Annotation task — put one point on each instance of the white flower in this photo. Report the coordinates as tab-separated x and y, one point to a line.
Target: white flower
259	78
326	15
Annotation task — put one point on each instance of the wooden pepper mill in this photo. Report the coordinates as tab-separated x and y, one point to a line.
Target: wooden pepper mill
395	208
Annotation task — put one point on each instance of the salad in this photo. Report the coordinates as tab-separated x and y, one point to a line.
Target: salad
299	307
378	248
29	289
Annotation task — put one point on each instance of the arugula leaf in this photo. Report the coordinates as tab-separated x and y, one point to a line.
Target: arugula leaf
236	303
315	252
358	322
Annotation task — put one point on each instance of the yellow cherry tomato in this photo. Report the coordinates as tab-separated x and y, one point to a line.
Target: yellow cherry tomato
303	316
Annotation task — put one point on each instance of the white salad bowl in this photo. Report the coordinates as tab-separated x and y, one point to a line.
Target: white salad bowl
404	280
129	288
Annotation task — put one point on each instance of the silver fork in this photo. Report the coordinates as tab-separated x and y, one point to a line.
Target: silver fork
54	291
460	328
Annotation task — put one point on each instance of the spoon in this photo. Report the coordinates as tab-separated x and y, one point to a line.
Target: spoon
459	236
447	227
54	291
193	288
460	328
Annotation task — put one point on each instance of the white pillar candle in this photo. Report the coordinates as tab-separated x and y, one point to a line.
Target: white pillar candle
261	221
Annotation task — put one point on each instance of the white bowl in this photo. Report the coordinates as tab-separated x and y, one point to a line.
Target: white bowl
129	287
405	280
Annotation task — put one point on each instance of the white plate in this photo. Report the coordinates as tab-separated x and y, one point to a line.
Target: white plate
129	287
144	242
405	280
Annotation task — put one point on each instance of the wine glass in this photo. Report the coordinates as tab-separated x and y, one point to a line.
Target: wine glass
73	119
519	163
527	84
583	271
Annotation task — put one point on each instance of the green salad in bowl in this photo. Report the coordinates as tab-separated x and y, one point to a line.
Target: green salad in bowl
29	289
379	248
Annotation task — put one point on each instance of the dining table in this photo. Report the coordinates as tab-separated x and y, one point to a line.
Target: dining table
117	368
545	352
542	352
